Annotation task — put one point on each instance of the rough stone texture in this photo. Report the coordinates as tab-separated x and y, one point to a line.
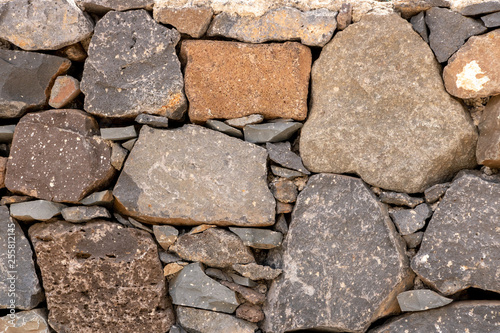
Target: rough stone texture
258	238
33	321
101	277
281	153
79	214
201	321
168	258
153	121
201	228
104	6
3	165
191	287
74	52
285	173
165	235
43	25
193	175
250	312
472	316
11	199
482	8
192	20
491	20
103	198
284	190
7	133
420	300
118	133
242	280
344	18
65	90
409	8
224	128
257	272
38	210
413	240
214	247
172	269
26	79
340	237
410	220
139	225
312	28
359	93
74	162
16	268
132	68
461	246
270	132
435	192
247	120
400	199
418	23
248	294
118	156
231	80
129	144
474	71
488	143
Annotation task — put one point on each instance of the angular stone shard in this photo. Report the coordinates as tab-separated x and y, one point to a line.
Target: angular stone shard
132	68
65	90
227	80
492	20
420	300
285	173
352	104
26	79
224	128
7	133
74	163
12	199
400	199
418	23
191	20
118	133
192	175
312	28
488	143
247	120
248	294
118	156
101	277
19	285
461	246
3	166
410	220
413	240
258	238
80	214
344	18
103	198
43	25
165	235
270	132
250	312
38	210
481	8
339	238
153	121
409	8
104	6
201	321
282	154
33	321
434	193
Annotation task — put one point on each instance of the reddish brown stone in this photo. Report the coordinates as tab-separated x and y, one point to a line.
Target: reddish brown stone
231	80
101	277
250	312
66	88
3	164
193	21
344	18
56	156
74	52
488	143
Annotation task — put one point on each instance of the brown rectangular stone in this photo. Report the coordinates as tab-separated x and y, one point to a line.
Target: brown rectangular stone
230	80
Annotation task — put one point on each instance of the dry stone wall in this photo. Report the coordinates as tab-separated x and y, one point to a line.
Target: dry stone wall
249	166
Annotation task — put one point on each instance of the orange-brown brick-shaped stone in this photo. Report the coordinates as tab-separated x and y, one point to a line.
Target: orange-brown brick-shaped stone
230	80
65	90
193	21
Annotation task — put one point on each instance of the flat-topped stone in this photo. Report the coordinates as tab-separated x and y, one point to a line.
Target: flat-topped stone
191	20
103	6
37	210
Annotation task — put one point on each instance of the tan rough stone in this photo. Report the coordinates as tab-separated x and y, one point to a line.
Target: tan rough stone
3	164
172	268
193	21
408	8
231	80
488	143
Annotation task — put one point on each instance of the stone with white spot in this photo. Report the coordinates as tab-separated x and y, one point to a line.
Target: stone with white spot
421	300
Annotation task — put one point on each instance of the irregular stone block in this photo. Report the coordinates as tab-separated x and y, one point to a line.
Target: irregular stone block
250	312
434	193
352	104
64	91
38	210
168	258
224	128
488	143
103	198
284	190
139	225
80	214
3	166
247	120
202	321
409	8
491	20
118	133
132	68
43	25
400	199
420	300
258	238
285	173
218	274
165	235
103	6
248	294
481	8
74	163
74	52
344	18
257	272
230	80
283	208
243	281
33	321
270	132
192	175
201	228
129	144
329	262
282	154
153	121
461	244
409	221
11	199
7	133
418	23
172	269
191	20
26	79
118	156
101	277
413	240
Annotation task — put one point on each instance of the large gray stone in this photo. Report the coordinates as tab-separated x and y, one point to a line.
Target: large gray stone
33	321
421	300
192	175
132	68
104	6
461	245
340	238
43	25
201	321
19	286
368	117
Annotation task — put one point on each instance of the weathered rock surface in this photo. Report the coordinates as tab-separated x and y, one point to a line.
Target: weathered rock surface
3	166
79	214
257	272
191	20
488	143
153	121
137	72
65	90
230	80
7	133
101	277
250	312
193	175
104	6
491	20
344	17
224	128
258	238
358	93
270	132
118	156
400	199
214	247
19	286
461	246
248	294
418	23
165	235
191	287
26	79
473	71
481	8
413	240
284	190
247	120
285	173
43	25
409	221
409	8
281	153
11	199
472	316
118	133
103	198
420	300
312	28
435	192
38	210
331	253
74	162
33	321
201	321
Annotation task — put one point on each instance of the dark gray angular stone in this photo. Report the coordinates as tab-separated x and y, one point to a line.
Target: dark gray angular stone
25	80
218	274
448	31
282	154
118	133
258	238
80	214
224	128
118	156
201	321
132	68
420	300
16	268
434	193
340	237
38	210
418	23
129	144
270	132
413	240
285	173
487	152
481	8
104	6
461	246
153	121
409	221
248	294
400	199
103	198
491	20
243	281
168	258
139	225
7	133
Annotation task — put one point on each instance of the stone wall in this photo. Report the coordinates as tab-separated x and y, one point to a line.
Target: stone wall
245	166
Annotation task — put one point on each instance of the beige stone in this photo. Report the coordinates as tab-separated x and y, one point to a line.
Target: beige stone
192	20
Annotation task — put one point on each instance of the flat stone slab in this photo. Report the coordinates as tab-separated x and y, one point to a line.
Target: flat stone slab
257	272
191	20
484	7
247	120
26	321
153	121
7	133
202	321
224	128
80	214
75	162
400	199
104	6
282	154
491	20
118	133
37	210
435	192
101	277
227	80
103	198
270	132
193	175
339	238
312	28
487	152
420	300
258	238
356	96
132	68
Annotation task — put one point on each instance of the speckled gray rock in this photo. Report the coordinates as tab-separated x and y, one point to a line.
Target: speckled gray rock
43	25
103	198
461	246
448	31
118	156
491	20
201	321
331	254
224	128
7	133
285	173
80	214
435	192
400	199
104	6
312	28
243	281
257	272
38	210
165	235
282	154
472	316
409	221
243	121
129	144
270	132
191	287
349	111
487	152
33	321
153	121
420	300
418	23
19	285
118	133
413	240
25	79
132	68
214	247
258	238
193	175
481	8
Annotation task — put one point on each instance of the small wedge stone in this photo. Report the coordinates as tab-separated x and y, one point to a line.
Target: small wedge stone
80	214
258	238
282	154
165	235
102	198
420	300
400	199
243	121
257	272
38	210
66	88
7	133
224	128
118	156
434	193
153	121
270	132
